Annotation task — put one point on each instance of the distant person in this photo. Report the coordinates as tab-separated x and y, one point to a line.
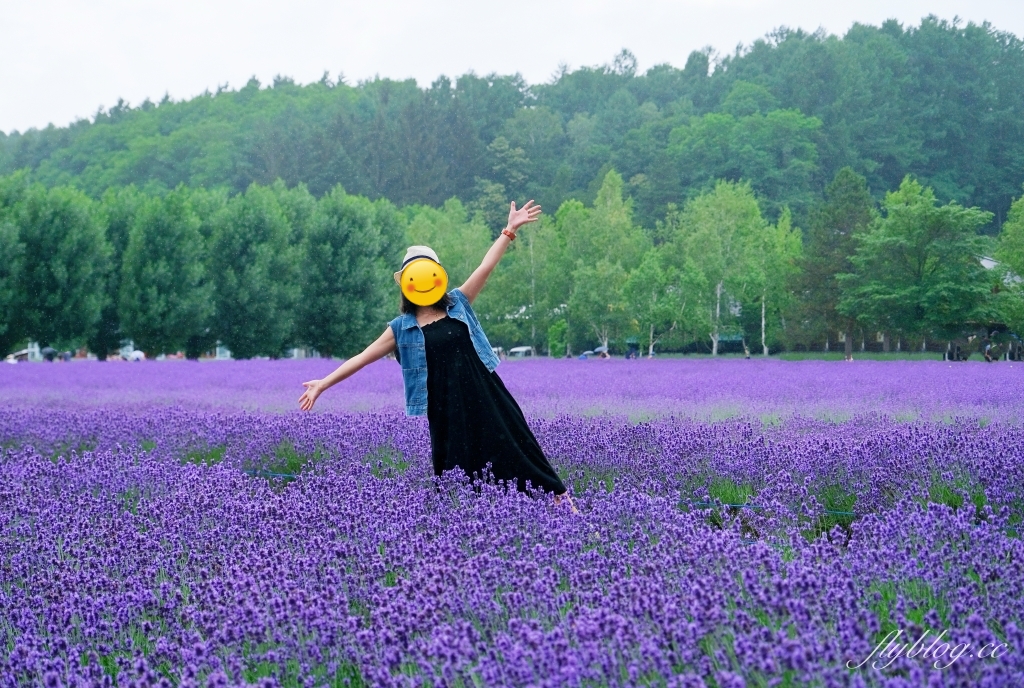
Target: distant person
473	419
988	351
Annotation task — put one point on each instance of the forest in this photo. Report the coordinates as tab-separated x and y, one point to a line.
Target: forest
806	190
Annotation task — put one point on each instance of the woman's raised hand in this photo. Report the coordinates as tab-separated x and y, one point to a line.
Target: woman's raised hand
519	217
308	398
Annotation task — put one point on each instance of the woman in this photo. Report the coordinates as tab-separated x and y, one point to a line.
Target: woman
448	370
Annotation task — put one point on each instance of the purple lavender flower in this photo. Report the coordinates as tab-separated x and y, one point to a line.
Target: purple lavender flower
741	522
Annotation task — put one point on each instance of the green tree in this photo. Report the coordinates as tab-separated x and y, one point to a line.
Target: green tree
597	299
846	212
777	252
208	205
588	237
540	133
489	205
348	256
1010	254
918	269
255	274
166	300
653	299
298	206
715	240
607	230
12	255
66	261
119	208
584	237
775	152
746	98
510	164
558	339
1010	250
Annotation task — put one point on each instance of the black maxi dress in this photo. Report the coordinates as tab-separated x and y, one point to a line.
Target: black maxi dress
474	421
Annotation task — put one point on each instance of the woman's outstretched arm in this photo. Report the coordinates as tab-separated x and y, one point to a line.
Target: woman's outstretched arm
384	345
516	219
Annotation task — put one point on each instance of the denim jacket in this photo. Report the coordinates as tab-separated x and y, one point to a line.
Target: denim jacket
413	356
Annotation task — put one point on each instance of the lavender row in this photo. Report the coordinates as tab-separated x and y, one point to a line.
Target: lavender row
134	545
797	467
702	389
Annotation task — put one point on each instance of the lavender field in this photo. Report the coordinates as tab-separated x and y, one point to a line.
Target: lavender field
741	523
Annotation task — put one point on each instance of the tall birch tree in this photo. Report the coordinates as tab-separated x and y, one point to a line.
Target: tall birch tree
717	234
777	252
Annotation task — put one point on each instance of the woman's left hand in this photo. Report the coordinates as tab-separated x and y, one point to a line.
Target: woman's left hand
519	217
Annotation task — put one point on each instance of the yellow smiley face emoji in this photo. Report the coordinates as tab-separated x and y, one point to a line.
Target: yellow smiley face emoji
423	282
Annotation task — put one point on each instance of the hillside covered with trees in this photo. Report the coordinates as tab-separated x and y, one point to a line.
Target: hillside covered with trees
939	101
806	190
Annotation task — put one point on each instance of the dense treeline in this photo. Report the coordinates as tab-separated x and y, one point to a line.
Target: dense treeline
275	267
808	191
941	101
260	271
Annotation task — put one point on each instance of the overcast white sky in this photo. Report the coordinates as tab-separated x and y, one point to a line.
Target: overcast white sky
63	59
